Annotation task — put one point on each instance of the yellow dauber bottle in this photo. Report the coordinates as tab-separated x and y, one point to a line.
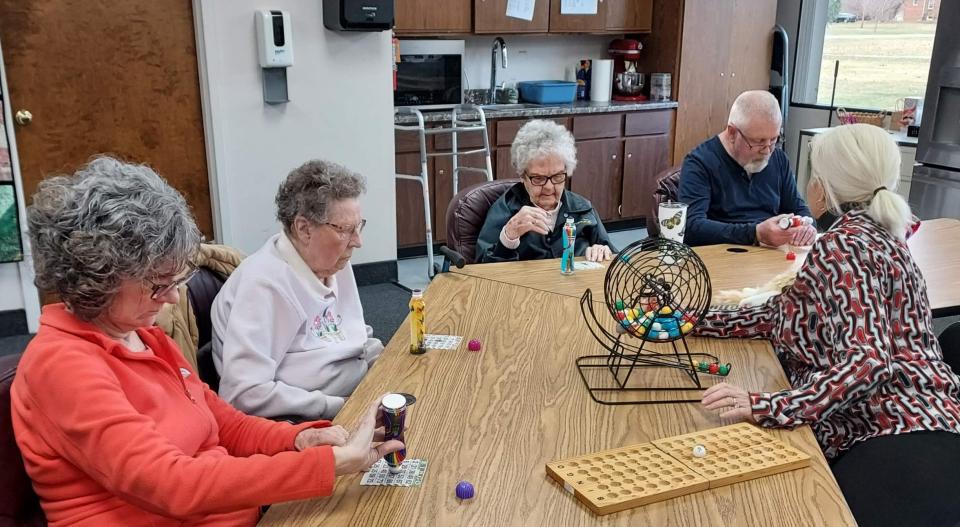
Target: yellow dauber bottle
417	328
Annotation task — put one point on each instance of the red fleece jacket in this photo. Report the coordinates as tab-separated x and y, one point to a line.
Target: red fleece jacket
112	437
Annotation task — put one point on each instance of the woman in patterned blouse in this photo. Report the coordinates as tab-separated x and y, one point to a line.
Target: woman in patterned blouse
854	331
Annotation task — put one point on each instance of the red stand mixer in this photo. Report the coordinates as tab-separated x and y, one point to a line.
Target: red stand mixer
627	81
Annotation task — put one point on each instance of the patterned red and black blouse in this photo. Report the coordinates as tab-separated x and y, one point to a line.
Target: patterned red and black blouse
855	336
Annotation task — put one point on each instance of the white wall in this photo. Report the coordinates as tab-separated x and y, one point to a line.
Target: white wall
341	108
536	57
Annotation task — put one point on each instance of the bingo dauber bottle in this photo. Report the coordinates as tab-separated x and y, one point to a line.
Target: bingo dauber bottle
417	329
569	246
393	410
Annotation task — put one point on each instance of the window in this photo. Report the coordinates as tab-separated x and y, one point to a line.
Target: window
10	248
880	50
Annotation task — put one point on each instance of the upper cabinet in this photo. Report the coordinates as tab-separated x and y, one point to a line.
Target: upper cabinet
423	17
628	15
489	16
560	23
623	16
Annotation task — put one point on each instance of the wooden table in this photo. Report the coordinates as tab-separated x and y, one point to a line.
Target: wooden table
935	247
496	417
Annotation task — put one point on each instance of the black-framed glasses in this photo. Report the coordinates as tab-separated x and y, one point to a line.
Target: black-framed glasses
346	231
159	290
539	181
760	145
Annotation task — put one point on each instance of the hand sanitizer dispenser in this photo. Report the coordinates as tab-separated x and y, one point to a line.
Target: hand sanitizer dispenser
275	52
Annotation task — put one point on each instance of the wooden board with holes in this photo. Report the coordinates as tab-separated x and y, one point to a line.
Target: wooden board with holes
734	453
623	478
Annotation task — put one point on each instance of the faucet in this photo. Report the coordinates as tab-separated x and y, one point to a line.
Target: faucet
493	66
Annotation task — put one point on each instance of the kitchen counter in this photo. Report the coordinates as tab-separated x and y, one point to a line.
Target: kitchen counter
546	110
900	137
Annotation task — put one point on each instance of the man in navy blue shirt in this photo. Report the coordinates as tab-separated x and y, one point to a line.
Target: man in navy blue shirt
738	184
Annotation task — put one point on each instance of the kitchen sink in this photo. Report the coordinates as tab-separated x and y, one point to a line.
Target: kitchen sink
511	106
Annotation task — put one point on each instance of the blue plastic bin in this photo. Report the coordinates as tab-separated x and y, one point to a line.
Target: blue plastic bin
547	92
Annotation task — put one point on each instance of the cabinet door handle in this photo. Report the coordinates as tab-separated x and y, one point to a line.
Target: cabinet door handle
614	156
721	74
629	156
620	209
733	74
440	172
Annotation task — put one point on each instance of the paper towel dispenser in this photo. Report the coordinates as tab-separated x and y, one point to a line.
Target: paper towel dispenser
358	15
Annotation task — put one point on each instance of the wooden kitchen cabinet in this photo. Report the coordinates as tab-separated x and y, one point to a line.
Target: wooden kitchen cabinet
725	50
613	16
489	16
644	157
410	217
577	23
598	175
634	16
425	17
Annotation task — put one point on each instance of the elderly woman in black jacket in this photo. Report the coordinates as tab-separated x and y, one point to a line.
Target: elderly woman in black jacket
526	222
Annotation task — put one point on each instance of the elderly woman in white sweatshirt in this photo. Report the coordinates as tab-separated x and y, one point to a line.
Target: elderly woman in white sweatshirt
289	335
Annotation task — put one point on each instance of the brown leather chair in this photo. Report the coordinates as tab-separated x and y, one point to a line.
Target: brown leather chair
19	505
668	183
467	212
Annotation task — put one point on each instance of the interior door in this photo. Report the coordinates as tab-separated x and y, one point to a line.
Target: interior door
107	77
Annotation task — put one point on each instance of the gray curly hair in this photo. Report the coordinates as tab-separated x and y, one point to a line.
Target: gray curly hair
538	138
108	222
310	188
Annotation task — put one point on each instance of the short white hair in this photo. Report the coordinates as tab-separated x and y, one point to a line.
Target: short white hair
851	162
755	105
539	138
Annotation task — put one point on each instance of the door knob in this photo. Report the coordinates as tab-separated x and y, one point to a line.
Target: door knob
23	117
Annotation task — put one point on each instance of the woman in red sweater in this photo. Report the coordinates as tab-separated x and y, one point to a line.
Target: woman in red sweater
114	426
855	335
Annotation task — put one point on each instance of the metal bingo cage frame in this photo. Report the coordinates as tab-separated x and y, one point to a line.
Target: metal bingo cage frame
657	291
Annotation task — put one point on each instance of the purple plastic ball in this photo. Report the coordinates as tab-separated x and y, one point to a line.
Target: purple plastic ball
464	490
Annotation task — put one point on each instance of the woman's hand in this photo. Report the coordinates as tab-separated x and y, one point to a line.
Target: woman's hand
803	236
525	220
730	400
331	435
360	451
598	253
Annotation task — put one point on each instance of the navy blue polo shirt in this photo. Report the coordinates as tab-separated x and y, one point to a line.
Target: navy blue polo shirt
725	203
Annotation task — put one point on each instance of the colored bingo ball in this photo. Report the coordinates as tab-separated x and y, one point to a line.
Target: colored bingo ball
464	490
473	345
699	451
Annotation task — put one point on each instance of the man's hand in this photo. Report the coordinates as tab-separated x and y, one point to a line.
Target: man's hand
770	234
527	219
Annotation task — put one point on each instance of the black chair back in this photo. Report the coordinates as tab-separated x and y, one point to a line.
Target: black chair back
201	290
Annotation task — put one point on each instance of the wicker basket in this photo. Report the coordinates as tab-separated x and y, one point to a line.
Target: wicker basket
874	118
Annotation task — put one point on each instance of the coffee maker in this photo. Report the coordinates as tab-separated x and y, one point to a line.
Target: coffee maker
627	81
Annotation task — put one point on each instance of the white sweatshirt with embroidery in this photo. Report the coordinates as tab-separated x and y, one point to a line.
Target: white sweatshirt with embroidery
285	343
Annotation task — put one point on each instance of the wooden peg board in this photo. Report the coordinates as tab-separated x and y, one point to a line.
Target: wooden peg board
624	478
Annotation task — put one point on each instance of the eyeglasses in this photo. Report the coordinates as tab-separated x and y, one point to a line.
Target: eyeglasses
760	145
346	231
159	290
539	181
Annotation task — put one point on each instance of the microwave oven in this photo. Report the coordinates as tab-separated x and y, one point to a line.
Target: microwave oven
430	74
